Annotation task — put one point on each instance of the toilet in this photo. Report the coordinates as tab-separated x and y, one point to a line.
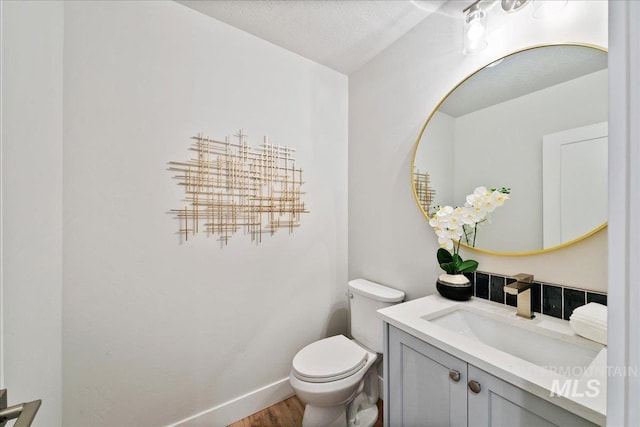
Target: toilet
337	378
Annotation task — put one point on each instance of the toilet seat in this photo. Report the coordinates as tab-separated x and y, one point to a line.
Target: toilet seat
330	359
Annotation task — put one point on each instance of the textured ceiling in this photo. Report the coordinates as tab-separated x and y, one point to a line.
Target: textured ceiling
341	34
346	34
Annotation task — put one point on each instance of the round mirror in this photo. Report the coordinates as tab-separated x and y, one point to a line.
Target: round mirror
535	122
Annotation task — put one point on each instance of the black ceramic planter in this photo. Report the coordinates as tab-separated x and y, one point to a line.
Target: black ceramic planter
454	286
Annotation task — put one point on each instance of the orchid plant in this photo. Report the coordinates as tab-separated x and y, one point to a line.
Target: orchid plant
453	225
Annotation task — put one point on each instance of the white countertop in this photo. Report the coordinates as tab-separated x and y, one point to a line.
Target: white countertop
410	318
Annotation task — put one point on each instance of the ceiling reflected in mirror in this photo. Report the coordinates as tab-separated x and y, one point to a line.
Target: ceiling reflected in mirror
507	125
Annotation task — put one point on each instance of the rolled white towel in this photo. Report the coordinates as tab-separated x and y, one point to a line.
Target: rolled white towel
590	321
593	311
594	334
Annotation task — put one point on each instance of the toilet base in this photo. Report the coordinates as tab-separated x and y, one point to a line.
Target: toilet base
335	416
366	417
362	412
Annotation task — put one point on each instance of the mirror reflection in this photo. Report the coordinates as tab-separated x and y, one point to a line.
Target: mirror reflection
535	122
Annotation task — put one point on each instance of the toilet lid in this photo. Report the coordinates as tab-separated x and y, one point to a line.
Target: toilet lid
329	359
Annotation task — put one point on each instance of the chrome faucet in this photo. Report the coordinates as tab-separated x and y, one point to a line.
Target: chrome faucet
522	289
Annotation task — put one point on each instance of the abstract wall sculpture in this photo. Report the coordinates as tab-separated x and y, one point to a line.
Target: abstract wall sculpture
231	186
424	192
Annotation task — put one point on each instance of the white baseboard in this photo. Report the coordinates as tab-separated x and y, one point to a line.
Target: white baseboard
240	407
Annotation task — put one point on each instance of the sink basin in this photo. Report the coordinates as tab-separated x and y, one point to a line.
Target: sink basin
525	339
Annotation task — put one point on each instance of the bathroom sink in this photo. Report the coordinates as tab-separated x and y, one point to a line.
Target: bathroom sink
526	339
542	356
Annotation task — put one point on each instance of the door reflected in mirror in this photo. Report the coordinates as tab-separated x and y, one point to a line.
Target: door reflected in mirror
535	122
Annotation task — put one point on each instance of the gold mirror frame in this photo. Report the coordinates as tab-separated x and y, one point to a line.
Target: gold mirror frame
437	107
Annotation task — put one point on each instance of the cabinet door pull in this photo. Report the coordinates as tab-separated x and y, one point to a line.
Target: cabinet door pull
454	375
474	386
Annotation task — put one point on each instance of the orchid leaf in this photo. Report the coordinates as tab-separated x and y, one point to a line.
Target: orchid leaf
448	267
444	256
457	260
468	266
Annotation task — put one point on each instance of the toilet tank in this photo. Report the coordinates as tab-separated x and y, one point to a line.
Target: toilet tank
366	298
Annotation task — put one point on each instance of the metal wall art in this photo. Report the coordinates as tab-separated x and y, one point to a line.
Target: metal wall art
231	186
424	192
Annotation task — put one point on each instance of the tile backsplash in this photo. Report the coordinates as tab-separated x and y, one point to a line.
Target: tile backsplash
547	298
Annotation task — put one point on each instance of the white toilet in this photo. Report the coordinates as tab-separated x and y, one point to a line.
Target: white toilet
337	378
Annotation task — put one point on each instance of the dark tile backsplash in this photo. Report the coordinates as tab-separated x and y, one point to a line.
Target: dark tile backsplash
496	292
481	285
536	294
599	298
511	300
553	300
573	298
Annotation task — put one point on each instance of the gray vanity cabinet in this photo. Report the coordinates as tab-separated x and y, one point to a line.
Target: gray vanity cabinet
501	404
426	387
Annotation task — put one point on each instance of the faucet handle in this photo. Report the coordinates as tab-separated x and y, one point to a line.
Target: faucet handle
522	289
524	278
523	282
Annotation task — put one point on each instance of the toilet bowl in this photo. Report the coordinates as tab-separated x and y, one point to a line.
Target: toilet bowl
327	375
337	377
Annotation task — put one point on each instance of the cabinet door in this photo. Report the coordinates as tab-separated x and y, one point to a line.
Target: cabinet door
501	404
421	391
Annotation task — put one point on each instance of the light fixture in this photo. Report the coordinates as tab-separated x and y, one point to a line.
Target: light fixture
545	8
510	6
475	29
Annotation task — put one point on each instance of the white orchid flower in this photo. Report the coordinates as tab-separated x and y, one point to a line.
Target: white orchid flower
489	205
481	192
477	212
444	212
445	243
451	224
473	200
499	198
469	215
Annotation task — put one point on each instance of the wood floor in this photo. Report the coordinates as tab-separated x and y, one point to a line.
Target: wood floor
287	413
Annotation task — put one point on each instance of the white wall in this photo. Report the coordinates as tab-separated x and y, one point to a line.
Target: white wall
436	157
31	201
389	100
153	330
623	392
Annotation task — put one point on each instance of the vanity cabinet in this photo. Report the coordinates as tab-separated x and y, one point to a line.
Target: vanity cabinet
425	386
